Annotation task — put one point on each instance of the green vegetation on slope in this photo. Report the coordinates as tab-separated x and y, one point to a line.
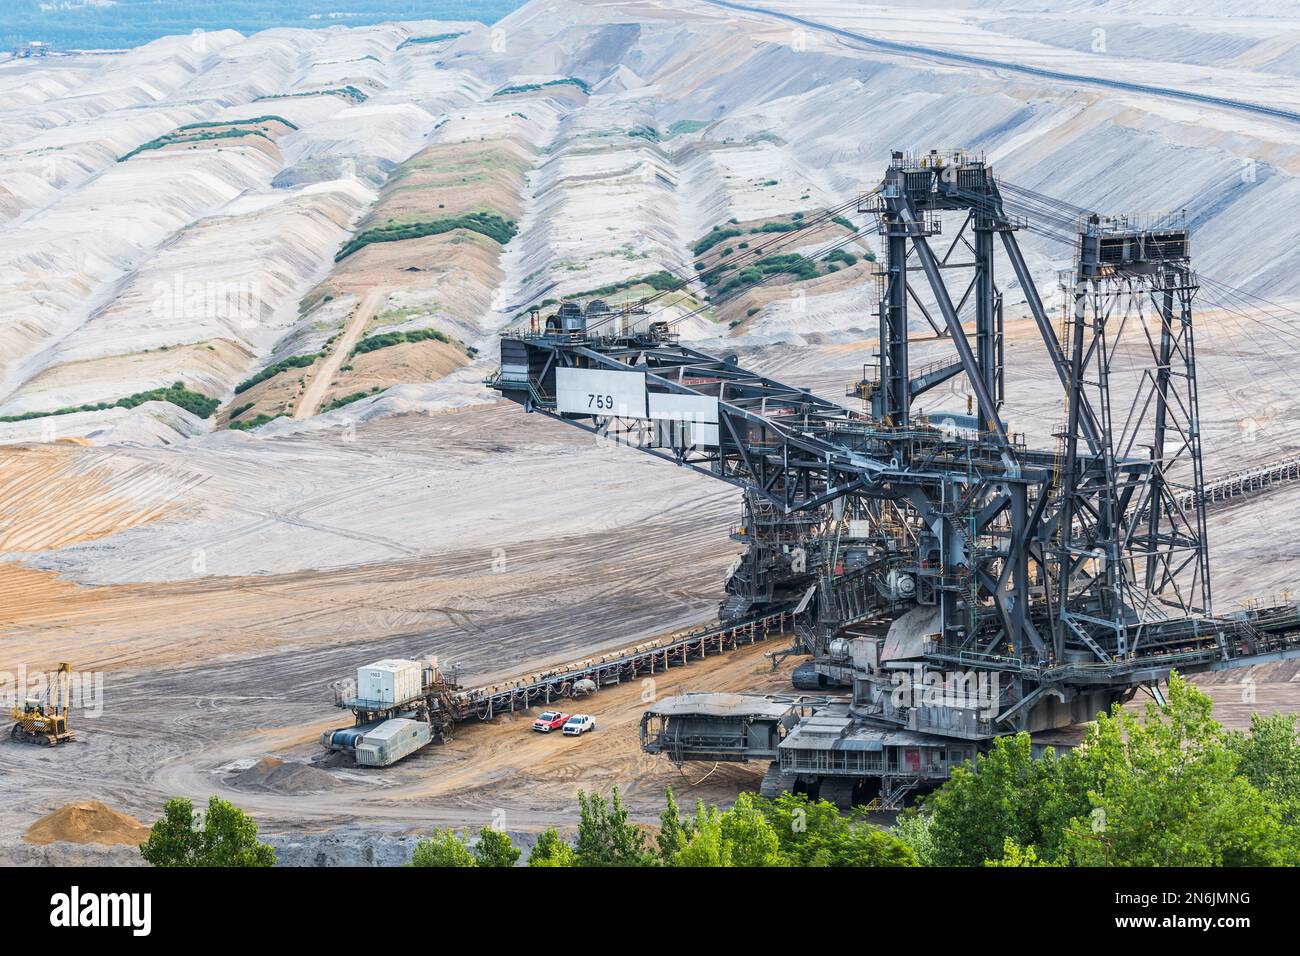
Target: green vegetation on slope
436	38
792	264
715	236
268	118
386	339
195	136
296	361
687	126
724	279
255	422
349	399
530	87
193	402
488	224
659	281
348	92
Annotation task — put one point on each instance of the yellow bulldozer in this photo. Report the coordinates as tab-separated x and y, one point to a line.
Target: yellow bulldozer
45	721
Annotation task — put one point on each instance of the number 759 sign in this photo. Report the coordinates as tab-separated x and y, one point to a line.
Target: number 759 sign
598	391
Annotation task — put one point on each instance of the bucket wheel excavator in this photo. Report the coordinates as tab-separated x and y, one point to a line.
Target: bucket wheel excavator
957	582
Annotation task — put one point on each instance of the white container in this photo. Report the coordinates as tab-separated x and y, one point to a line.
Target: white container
391	741
859	530
389	681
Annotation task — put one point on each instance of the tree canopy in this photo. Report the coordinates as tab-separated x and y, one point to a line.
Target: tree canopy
224	836
1166	787
550	850
606	835
495	849
442	848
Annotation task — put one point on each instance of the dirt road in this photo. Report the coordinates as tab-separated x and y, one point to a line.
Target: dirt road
321	379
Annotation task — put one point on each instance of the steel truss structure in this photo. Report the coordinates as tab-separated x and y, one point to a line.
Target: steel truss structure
1077	573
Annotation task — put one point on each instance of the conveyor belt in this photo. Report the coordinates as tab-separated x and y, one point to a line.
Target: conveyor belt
563	682
1238	484
614	668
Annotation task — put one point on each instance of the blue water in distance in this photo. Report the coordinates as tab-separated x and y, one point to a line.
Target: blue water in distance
116	24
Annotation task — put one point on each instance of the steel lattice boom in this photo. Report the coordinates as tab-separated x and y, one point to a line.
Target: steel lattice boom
940	543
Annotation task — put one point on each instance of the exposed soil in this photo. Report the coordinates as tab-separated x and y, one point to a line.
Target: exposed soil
409	362
204	367
448	179
87	822
59	494
276	776
323	372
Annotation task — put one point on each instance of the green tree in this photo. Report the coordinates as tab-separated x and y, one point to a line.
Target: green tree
550	850
1166	787
913	828
705	847
1003	795
673	830
866	845
606	837
808	830
442	848
175	839
748	836
815	833
1269	757
224	836
1013	854
494	848
1166	792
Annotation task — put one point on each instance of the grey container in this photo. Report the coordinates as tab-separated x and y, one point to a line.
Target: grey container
391	741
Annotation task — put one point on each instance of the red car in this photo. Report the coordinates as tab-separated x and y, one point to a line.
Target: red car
550	720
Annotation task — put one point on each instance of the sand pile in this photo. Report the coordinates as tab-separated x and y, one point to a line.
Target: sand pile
89	822
273	774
